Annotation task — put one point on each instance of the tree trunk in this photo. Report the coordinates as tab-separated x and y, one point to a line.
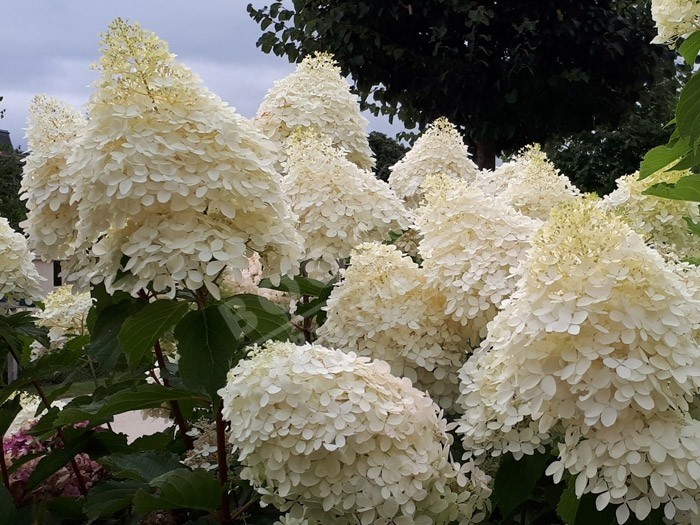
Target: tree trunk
486	155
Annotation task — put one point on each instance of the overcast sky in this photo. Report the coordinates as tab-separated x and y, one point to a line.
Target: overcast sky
47	46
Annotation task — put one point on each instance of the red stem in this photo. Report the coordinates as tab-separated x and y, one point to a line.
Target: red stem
177	412
3	466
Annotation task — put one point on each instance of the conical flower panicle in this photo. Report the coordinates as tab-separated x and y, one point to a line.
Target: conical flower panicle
530	183
54	130
318	97
600	332
338	205
384	309
176	184
440	149
472	246
19	278
661	222
342	437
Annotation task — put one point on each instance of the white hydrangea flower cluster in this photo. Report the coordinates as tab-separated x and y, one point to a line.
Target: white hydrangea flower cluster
65	315
176	185
339	435
472	247
440	149
19	278
674	19
660	221
316	96
530	183
385	309
53	130
338	205
600	340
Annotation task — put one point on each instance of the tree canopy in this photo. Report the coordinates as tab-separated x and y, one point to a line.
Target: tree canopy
508	73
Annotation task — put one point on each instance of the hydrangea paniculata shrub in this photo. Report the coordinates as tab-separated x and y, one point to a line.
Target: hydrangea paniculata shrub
338	435
176	185
440	149
338	205
385	309
316	96
599	342
472	246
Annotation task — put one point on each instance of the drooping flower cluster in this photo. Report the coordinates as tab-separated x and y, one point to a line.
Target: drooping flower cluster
339	435
19	278
175	185
316	96
674	19
472	246
659	221
65	315
439	150
338	205
384	309
530	183
54	128
600	340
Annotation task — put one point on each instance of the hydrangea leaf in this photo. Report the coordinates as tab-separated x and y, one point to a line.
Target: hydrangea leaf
297	286
140	332
8	412
516	480
108	498
181	488
144	466
258	318
207	341
662	156
105	347
690	47
688	112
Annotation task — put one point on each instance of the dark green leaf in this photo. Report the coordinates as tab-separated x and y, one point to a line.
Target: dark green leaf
181	488
9	515
110	497
207	342
156	441
8	413
690	47
258	318
144	466
140	332
515	480
104	346
66	509
568	505
688	113
297	286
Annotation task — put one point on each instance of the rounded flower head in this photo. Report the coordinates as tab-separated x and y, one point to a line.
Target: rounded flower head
384	309
341	436
530	183
439	150
472	246
171	173
54	129
674	19
338	205
660	221
600	332
19	279
316	96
